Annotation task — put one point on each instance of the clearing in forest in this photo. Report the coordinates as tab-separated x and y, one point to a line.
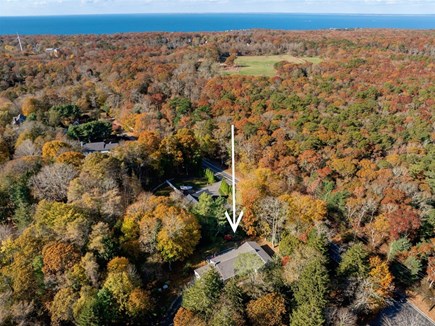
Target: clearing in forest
264	65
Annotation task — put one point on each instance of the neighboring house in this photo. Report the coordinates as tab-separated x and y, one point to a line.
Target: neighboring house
100	147
19	119
191	200
224	263
55	52
212	190
188	198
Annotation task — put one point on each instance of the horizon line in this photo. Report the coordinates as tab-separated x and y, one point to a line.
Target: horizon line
224	12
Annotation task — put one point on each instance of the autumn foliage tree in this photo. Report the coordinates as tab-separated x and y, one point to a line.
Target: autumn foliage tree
304	208
343	137
382	281
160	226
30	105
374	292
58	257
403	222
179	234
124	285
180	152
52	149
269	309
186	317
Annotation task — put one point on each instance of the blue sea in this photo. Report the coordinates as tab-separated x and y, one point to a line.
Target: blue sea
109	24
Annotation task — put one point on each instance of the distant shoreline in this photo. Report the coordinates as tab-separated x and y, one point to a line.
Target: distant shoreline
221	13
207	22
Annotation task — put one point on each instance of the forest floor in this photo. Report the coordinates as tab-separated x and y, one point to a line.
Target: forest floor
264	65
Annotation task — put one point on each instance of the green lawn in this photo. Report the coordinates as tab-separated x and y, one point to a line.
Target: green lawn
263	65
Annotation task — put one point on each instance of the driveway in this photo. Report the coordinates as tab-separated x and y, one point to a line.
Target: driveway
401	313
168	319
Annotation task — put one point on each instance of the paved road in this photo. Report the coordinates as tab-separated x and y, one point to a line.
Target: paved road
218	170
401	313
168	319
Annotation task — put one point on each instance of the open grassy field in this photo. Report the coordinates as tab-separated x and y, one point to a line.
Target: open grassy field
263	65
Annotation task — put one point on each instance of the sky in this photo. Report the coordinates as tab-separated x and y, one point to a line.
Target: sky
72	7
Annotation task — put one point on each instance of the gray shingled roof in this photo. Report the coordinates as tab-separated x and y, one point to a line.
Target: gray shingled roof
202	270
224	263
99	147
191	200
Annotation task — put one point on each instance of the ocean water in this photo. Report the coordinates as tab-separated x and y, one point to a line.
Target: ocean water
109	24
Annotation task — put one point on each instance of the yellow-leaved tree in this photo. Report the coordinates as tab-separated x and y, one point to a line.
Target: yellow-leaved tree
124	284
258	184
157	226
304	208
54	148
179	234
381	278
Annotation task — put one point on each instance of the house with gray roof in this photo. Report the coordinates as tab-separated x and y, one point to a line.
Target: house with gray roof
225	262
19	119
100	147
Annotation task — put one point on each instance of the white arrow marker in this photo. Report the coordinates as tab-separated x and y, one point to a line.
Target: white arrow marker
234	222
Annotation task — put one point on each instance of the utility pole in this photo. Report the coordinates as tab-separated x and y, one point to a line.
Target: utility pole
19	42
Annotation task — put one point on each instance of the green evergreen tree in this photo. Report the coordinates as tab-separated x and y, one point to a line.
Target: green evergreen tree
211	214
247	264
106	308
204	210
90	131
310	294
225	188
88	314
318	241
233	295
203	294
414	266
397	246
226	315
312	285
63	114
355	261
22	200
204	206
219	213
307	314
288	244
209	174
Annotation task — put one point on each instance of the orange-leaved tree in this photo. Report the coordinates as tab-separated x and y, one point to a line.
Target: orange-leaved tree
268	310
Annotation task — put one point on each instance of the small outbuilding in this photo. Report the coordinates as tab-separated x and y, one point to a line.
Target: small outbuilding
19	119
